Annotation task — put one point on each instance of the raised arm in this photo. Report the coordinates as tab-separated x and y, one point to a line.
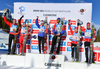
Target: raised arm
8	23
20	21
53	30
36	22
69	24
63	30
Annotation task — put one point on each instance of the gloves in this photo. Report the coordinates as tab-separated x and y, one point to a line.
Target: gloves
5	14
16	33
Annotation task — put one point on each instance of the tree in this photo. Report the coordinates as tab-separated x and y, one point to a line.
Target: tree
98	36
3	25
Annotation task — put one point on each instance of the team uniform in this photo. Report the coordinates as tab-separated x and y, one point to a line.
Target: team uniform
74	39
87	39
56	29
11	33
21	38
41	35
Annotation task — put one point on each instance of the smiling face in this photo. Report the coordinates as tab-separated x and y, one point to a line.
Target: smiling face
42	24
14	21
88	27
76	30
58	21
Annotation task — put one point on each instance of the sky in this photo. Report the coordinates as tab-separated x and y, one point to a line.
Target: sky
95	6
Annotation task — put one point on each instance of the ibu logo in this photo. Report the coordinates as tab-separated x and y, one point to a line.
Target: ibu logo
22	9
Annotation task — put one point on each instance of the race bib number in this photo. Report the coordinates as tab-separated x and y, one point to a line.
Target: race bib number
88	34
57	29
41	30
23	31
75	37
12	29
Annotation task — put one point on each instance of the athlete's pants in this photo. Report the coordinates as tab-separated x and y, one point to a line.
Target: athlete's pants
40	39
72	47
53	43
11	37
87	44
21	39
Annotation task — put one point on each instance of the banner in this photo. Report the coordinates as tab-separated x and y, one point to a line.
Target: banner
68	11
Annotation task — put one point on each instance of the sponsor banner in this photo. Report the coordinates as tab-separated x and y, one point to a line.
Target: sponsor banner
35	47
72	26
35	20
62	48
97	48
52	14
53	21
63	43
34	26
27	46
68	43
99	57
53	61
50	42
95	56
35	42
29	20
81	49
69	33
63	38
73	22
34	37
69	49
35	31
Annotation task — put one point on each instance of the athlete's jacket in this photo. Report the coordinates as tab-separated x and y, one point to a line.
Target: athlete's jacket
11	25
74	36
87	36
57	27
23	30
41	29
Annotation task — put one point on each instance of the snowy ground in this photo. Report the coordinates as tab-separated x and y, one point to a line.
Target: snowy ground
16	67
3	39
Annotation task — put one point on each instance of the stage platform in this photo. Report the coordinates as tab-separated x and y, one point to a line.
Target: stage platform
41	61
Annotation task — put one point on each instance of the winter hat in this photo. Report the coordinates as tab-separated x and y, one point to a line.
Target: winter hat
58	18
88	24
76	28
41	21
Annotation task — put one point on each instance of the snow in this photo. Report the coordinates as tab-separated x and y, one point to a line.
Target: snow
3	39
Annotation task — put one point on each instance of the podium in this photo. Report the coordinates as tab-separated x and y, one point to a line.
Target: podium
46	61
43	61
